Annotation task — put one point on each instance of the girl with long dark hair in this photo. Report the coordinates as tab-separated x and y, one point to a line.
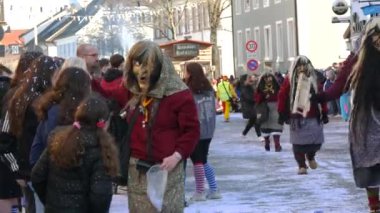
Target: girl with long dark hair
364	131
204	97
57	106
74	173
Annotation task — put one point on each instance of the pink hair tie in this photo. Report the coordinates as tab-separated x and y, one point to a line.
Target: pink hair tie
101	124
76	124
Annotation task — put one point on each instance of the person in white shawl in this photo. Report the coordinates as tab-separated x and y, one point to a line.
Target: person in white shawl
305	117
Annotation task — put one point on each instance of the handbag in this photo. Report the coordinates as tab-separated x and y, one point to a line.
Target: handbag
262	112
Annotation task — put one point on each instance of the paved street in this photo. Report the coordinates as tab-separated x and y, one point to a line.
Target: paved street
253	180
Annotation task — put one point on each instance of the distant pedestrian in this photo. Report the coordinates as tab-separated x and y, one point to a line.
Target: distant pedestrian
226	93
306	124
89	53
247	84
91	56
71	62
364	130
112	82
204	97
279	77
104	64
266	93
74	173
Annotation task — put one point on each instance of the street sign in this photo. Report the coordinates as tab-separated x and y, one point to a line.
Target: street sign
252	64
251	46
251	55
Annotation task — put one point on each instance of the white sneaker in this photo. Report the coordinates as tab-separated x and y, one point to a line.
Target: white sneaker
261	139
198	197
214	195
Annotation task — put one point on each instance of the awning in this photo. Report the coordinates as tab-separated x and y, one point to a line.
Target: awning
371	9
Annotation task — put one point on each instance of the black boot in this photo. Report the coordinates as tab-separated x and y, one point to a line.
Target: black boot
267	144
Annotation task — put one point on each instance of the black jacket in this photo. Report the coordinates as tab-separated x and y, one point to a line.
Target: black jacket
82	189
247	101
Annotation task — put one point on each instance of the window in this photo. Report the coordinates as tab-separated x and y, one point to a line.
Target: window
195	19
200	16
248	35
247	5
187	22
277	1
265	3
291	35
178	21
240	47
14	49
182	25
157	24
268	43
205	17
255	4
238	7
279	41
256	32
190	19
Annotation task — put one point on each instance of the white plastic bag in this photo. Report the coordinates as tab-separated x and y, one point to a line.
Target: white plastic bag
157	180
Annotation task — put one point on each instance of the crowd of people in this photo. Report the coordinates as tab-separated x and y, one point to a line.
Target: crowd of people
73	128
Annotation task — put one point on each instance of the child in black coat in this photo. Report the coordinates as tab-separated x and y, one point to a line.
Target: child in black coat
74	173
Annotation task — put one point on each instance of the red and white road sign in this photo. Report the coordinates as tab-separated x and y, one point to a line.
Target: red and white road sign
251	46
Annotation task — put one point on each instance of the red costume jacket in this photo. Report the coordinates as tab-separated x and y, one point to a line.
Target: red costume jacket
115	90
175	128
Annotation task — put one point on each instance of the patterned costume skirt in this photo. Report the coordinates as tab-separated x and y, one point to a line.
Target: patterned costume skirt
367	177
271	126
306	131
366	159
138	200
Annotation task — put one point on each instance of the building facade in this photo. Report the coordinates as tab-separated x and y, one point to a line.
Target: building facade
194	24
21	14
284	29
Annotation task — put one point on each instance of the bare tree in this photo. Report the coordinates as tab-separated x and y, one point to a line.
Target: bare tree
215	10
164	16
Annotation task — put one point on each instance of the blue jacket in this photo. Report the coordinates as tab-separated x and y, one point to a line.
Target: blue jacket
206	113
42	133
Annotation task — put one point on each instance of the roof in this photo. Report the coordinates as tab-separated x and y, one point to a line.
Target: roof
68	25
371	9
76	25
44	21
185	41
13	37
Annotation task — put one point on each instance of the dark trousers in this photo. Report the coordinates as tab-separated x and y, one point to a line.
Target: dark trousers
303	152
200	152
252	122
